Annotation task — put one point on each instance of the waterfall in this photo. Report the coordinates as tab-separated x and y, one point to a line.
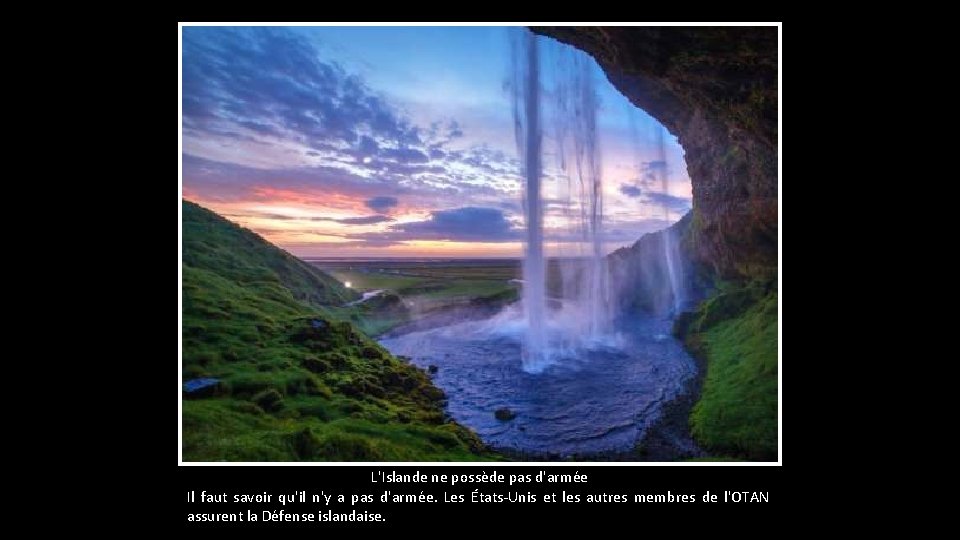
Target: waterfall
526	113
593	285
586	316
673	269
671	252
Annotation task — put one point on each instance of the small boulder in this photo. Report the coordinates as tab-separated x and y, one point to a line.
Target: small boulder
432	369
504	414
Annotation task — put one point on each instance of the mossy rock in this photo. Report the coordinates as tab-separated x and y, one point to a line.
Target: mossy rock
683	322
305	444
471	439
315	365
269	400
195	372
288	414
246	407
725	306
361	388
247	384
348	447
371	353
433	393
338	360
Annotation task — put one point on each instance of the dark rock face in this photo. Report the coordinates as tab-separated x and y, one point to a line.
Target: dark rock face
716	89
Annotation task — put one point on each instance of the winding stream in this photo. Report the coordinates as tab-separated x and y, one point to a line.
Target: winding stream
366	296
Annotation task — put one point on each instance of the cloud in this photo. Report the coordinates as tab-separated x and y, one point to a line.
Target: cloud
275	130
270	81
264	114
323	186
453	130
670	202
367	146
364	220
334	188
360	220
381	203
406	155
487	160
459	224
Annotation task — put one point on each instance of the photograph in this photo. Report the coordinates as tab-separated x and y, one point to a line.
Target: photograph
510	243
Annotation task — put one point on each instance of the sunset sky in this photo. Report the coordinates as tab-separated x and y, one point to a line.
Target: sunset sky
394	142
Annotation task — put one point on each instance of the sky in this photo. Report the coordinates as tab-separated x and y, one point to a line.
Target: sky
400	142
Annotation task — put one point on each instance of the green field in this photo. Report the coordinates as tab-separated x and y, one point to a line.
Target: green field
415	289
420	280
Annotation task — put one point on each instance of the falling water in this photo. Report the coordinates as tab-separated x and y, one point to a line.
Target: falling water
592	289
673	269
585	318
670	248
526	92
582	386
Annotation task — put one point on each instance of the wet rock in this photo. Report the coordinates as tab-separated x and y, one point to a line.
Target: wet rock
504	414
432	369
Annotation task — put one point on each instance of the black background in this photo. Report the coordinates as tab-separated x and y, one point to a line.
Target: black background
610	479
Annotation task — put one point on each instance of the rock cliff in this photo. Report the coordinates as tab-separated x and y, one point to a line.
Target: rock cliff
716	90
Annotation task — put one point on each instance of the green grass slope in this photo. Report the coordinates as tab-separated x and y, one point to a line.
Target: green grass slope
296	385
735	332
212	243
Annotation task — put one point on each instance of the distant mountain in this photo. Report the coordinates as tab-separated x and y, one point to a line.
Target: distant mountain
270	376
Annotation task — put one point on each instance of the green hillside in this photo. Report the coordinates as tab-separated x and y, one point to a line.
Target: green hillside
212	243
735	332
294	383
